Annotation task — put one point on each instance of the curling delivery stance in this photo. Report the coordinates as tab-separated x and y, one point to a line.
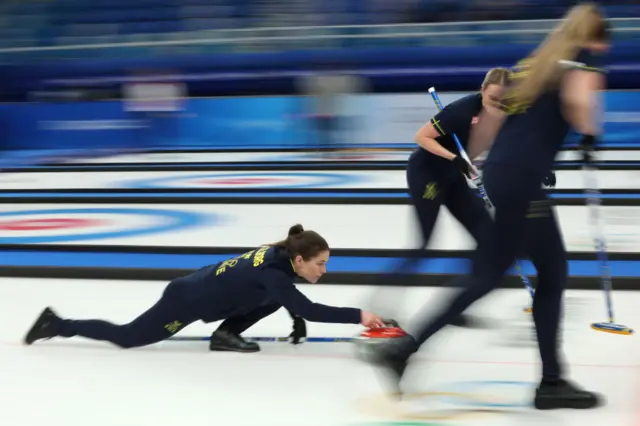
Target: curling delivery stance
550	92
241	291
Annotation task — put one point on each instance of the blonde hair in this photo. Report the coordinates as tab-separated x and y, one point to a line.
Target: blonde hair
583	24
498	76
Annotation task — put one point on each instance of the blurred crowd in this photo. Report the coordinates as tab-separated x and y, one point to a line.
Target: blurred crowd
38	22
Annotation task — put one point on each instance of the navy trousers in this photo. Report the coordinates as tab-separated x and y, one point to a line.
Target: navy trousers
432	187
170	314
524	222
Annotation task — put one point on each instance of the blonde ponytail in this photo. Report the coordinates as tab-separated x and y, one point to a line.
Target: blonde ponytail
541	71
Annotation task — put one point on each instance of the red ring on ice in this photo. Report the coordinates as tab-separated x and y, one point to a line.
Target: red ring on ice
47	224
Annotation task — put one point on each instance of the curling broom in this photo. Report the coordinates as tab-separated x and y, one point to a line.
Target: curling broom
593	202
477	181
392	330
264	339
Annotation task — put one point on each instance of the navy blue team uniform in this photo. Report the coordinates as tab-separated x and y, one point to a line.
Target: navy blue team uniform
241	291
434	181
523	153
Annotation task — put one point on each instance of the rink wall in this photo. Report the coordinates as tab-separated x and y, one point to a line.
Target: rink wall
378	120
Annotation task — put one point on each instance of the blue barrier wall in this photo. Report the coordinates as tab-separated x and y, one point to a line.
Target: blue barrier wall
240	122
272	121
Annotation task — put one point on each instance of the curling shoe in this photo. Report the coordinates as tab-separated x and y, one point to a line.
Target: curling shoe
45	327
393	357
223	340
471	321
558	394
468	321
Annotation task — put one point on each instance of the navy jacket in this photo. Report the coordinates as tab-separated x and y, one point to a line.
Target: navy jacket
455	118
263	276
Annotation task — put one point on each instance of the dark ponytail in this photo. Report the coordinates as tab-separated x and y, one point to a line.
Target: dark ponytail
307	244
296	229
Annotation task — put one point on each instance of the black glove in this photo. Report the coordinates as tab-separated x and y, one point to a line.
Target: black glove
463	165
587	147
299	333
550	179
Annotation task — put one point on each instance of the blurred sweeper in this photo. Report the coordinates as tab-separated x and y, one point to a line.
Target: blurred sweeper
550	92
436	170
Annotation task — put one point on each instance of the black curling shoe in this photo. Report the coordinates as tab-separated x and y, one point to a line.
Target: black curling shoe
393	357
468	321
223	340
561	394
45	327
